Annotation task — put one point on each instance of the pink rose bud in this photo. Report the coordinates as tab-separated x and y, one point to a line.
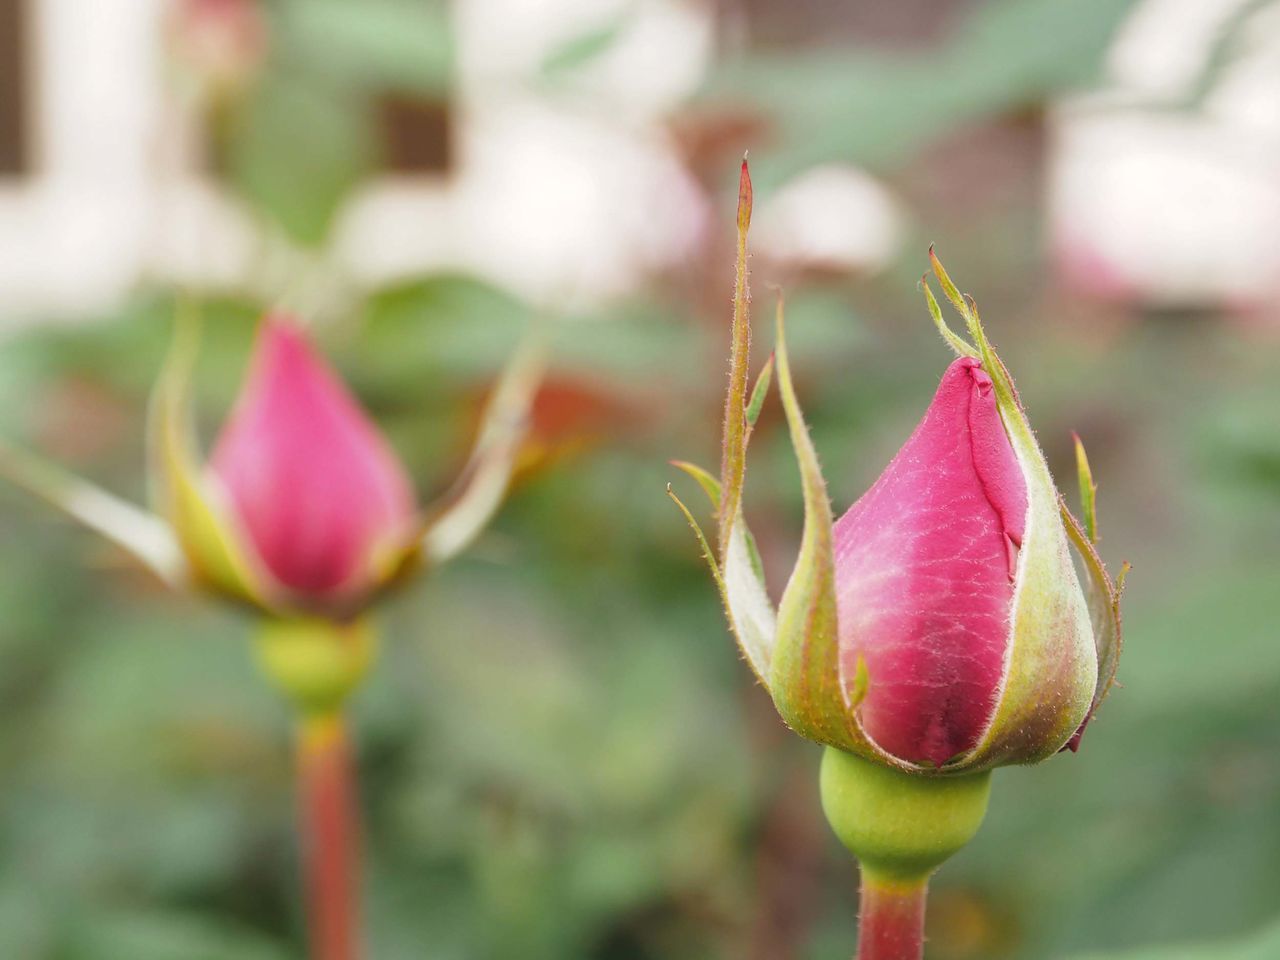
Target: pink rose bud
303	509
939	626
926	563
311	482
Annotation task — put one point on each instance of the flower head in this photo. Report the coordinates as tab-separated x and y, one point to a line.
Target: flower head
303	510
926	575
938	626
314	486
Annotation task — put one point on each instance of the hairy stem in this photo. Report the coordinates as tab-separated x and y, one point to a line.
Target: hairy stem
327	827
891	919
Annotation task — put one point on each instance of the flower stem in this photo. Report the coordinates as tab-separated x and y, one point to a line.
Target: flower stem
327	825
891	919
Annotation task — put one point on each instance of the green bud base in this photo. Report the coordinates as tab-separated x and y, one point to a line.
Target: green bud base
316	662
901	826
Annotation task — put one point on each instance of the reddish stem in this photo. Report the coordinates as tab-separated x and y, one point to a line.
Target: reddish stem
891	925
328	836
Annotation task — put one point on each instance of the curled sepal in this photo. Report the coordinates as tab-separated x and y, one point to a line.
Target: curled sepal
1051	665
957	343
214	548
805	677
741	581
759	392
139	533
1101	592
709	484
454	523
1088	490
737	429
740	574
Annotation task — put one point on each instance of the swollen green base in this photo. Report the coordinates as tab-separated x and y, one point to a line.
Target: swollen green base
315	662
900	826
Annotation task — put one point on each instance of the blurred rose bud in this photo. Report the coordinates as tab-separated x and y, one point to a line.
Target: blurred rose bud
939	625
303	505
311	483
303	510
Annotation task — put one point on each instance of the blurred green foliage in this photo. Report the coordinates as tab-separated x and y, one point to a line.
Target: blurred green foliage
561	753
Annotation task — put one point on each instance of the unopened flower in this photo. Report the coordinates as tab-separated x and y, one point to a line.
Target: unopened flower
939	626
303	510
316	492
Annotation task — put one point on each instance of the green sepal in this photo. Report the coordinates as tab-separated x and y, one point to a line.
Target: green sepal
709	484
1051	664
215	549
141	534
1088	490
759	392
733	460
805	675
1103	597
741	583
955	342
739	573
454	523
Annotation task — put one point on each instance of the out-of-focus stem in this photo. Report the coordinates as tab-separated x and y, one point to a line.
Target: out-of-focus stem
328	836
891	919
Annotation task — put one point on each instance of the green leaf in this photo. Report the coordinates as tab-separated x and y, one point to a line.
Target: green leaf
406	45
1264	945
297	150
873	107
581	49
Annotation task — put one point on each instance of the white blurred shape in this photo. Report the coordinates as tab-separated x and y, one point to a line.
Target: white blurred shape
567	188
395	227
832	217
1158	201
1164	45
1165	209
568	209
658	57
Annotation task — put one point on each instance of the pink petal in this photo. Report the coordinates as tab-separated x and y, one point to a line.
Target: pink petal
315	486
924	575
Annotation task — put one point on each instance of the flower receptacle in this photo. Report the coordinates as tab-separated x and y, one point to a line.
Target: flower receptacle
316	662
901	826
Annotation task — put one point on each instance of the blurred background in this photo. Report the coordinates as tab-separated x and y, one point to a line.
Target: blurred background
562	754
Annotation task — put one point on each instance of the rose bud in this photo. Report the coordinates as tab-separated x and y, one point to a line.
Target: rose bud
936	631
310	482
304	513
303	509
939	626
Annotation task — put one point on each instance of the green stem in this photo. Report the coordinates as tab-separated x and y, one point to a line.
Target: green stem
901	826
328	836
891	919
316	663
